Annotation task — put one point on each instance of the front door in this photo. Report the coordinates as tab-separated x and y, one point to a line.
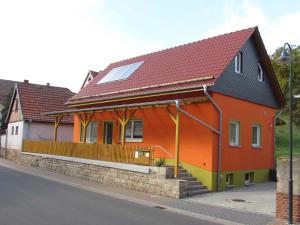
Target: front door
108	132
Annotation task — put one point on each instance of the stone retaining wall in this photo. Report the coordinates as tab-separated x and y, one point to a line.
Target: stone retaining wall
157	181
11	154
282	188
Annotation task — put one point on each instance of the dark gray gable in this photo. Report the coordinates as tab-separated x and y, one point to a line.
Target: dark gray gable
246	85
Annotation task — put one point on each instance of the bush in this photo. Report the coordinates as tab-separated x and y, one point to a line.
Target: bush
160	162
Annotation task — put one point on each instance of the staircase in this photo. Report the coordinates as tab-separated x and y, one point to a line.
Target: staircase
194	187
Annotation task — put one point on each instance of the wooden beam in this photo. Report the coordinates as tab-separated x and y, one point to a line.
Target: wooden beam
85	119
57	121
123	119
171	114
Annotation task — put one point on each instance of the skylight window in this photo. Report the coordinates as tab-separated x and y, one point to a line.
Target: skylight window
120	73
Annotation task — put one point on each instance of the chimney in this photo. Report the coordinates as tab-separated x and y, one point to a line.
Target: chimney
48	84
26	81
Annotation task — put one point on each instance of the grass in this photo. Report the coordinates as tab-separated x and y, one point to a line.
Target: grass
282	138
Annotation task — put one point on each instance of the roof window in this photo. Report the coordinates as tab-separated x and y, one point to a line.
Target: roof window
120	73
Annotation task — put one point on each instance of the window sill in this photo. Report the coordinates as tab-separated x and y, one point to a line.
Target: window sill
235	146
256	147
134	140
230	186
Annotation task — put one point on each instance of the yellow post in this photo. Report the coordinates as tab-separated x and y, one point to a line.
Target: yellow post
123	121
85	120
56	124
177	136
176	120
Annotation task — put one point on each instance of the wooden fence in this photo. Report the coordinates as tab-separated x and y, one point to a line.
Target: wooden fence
114	153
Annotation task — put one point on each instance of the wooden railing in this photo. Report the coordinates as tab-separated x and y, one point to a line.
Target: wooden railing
114	153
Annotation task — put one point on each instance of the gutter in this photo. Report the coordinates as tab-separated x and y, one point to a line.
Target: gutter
220	137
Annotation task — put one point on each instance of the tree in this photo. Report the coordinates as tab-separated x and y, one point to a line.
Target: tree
282	73
4	111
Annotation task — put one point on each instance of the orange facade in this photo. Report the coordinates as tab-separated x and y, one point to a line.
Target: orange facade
198	144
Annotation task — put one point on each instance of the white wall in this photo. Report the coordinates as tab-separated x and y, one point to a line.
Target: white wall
42	131
2	140
15	141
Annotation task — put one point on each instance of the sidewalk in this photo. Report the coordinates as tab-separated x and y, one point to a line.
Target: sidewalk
207	212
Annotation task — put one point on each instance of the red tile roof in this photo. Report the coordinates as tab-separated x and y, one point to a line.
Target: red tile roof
198	60
36	99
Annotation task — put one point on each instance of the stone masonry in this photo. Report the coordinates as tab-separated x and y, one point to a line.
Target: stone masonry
11	154
282	189
158	181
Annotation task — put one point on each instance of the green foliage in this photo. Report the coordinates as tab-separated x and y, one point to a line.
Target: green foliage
4	110
282	138
282	73
160	162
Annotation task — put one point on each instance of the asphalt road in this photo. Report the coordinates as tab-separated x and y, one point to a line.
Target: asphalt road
30	200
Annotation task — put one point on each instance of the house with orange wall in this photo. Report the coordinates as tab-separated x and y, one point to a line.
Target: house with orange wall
209	106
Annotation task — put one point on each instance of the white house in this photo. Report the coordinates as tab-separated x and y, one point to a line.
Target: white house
26	121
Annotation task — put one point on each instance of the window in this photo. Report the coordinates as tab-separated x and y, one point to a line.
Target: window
256	135
238	61
120	73
17	130
249	178
260	73
12	130
91	132
134	130
229	179
234	133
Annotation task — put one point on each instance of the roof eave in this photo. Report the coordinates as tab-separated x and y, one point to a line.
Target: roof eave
124	97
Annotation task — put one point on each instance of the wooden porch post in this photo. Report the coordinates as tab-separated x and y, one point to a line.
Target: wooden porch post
123	121
84	121
57	121
176	120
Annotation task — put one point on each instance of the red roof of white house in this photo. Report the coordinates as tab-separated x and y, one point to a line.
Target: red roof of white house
36	99
181	67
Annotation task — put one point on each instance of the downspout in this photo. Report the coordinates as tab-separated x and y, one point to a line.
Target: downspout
218	132
220	137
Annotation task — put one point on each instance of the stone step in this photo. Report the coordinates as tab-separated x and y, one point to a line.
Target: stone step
196	192
195	187
194	182
188	178
184	174
182	171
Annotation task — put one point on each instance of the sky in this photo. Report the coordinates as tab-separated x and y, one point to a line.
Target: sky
59	41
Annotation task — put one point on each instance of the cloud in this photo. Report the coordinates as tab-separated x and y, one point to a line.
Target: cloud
275	31
58	41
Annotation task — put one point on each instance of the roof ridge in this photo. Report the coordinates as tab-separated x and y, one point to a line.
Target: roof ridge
42	85
181	45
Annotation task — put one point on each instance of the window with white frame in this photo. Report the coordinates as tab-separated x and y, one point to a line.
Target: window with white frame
234	133
238	63
256	135
249	178
260	75
134	130
229	179
12	130
17	130
91	132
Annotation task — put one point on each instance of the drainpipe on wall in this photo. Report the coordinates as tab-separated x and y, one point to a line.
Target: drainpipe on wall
220	137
